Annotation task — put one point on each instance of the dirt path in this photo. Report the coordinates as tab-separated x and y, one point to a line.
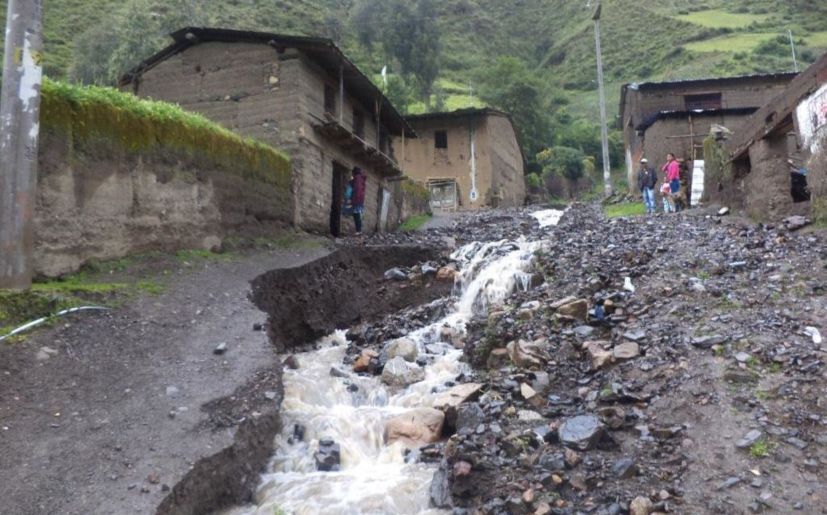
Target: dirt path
114	420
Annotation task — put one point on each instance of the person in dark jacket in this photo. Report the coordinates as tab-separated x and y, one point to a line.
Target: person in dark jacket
358	185
646	181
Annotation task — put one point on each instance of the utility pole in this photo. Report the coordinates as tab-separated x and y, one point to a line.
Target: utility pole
604	130
792	45
19	130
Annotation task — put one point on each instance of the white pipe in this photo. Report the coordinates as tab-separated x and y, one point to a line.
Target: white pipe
35	323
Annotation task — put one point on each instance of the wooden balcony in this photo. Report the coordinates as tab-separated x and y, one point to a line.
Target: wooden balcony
357	147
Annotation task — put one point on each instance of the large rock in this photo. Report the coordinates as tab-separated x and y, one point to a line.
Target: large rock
402	347
528	354
400	373
599	355
417	427
531	396
328	457
457	395
576	309
446	273
581	433
640	506
469	416
363	362
627	350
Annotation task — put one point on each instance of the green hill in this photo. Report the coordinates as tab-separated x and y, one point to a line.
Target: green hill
92	40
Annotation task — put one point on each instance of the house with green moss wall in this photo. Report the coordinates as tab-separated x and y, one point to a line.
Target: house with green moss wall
298	94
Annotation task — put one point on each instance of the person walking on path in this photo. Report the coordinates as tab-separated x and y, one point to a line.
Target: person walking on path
672	170
358	199
646	180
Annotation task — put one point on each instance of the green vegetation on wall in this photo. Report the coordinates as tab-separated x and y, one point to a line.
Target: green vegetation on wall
136	125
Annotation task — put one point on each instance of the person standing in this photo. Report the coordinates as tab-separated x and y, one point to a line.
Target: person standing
672	170
358	185
646	180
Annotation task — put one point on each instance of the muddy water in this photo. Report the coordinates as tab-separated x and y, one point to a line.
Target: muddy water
375	477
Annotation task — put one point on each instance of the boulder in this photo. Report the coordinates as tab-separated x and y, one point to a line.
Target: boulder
328	457
497	358
362	363
528	310
540	382
531	396
414	428
576	309
396	274
626	350
450	335
402	347
447	274
599	355
640	506
581	433
528	354
469	416
400	373
457	395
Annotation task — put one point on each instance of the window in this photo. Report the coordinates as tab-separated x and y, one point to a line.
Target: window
359	123
703	102
329	99
440	139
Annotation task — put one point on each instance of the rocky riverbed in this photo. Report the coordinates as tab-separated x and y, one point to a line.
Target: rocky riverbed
672	364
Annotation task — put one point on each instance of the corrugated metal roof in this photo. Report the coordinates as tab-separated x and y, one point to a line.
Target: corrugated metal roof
649	121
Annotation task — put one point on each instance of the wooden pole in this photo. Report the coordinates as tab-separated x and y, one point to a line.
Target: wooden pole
342	95
19	131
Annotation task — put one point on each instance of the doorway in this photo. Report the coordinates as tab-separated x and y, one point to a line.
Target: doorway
338	198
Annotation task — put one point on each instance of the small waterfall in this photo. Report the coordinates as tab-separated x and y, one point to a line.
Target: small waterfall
374	477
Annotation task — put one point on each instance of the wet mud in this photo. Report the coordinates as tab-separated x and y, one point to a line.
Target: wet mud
341	290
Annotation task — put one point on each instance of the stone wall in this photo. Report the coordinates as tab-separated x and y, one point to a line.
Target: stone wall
111	182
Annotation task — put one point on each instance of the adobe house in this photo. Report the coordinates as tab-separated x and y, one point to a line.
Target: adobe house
662	117
299	94
469	159
767	155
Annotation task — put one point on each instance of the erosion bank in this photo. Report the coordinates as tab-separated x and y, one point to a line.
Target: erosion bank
119	175
340	290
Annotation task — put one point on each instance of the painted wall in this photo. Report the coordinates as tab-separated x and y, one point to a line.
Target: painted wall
811	120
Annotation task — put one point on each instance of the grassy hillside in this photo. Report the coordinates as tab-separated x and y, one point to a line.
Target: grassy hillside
643	40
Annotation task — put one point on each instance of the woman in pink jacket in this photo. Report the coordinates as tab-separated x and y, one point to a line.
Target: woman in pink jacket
672	170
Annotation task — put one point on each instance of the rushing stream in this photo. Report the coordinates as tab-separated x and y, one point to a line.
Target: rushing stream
374	477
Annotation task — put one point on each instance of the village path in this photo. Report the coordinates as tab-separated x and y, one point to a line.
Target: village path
114	420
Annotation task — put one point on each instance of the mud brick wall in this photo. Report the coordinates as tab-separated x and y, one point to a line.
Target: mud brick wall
508	178
275	97
499	163
111	183
767	185
648	101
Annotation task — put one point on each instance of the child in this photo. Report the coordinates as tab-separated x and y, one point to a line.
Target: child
666	193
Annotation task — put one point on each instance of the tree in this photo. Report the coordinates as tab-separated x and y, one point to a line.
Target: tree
509	85
139	29
408	34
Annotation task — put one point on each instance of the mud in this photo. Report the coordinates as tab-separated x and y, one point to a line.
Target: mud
341	290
